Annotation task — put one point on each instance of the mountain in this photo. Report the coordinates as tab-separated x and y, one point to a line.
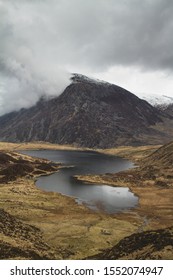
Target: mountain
160	101
88	113
168	109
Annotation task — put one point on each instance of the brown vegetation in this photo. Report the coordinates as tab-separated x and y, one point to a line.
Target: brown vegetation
67	229
153	245
42	225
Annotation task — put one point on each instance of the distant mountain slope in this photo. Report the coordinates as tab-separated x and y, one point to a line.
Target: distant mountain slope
157	100
88	113
169	109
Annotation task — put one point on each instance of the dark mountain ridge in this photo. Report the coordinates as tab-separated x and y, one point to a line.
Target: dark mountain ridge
169	109
88	113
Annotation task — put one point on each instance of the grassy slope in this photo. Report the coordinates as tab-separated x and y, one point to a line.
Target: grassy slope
152	181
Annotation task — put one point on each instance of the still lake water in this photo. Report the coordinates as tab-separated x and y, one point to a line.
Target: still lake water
97	197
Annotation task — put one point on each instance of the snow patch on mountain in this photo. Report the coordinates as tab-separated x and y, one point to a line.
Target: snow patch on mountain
82	78
157	100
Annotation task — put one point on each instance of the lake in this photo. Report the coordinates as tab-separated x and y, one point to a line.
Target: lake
97	197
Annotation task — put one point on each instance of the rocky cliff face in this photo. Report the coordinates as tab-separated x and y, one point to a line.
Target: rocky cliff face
88	113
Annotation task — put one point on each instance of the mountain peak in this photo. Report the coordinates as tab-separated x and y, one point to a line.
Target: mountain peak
89	113
80	78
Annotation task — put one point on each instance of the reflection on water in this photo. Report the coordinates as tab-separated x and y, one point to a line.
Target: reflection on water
97	197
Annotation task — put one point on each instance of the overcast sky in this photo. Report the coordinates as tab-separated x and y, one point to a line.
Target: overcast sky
127	42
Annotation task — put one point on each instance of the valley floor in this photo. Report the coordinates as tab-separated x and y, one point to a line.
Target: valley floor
44	225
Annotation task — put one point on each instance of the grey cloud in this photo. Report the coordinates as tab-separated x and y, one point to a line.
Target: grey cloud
41	41
139	34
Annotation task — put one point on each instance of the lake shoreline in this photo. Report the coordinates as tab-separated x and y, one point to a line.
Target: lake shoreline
75	232
97	197
81	232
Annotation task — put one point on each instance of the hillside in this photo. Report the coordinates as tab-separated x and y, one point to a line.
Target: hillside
152	181
13	166
148	245
88	113
18	239
28	213
169	109
162	157
35	224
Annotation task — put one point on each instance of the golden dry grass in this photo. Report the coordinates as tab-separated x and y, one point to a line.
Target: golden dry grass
73	231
